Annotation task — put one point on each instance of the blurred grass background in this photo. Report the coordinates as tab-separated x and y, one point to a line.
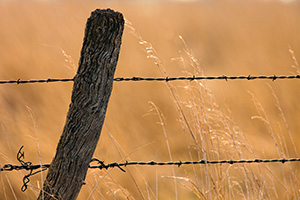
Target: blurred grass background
232	120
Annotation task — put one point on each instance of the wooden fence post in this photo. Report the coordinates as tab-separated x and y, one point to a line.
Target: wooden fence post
91	91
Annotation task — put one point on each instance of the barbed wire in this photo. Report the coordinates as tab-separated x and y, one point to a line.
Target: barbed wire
25	165
49	80
223	77
101	164
134	78
34	169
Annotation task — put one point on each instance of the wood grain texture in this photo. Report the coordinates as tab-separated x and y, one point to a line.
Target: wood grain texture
91	91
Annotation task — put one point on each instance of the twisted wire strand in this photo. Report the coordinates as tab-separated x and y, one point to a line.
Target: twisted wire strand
223	77
34	169
49	80
180	78
101	165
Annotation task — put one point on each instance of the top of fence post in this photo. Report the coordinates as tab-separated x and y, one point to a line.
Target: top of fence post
90	96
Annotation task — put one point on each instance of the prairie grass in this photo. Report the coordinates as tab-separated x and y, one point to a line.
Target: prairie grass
145	121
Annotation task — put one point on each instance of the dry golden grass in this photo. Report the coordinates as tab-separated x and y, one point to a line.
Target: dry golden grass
154	120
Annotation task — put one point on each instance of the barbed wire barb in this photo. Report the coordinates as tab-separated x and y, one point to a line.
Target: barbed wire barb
167	79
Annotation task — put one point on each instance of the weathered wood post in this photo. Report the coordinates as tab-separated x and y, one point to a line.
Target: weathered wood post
91	91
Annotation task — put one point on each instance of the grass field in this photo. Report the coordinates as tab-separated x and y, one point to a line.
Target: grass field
235	119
